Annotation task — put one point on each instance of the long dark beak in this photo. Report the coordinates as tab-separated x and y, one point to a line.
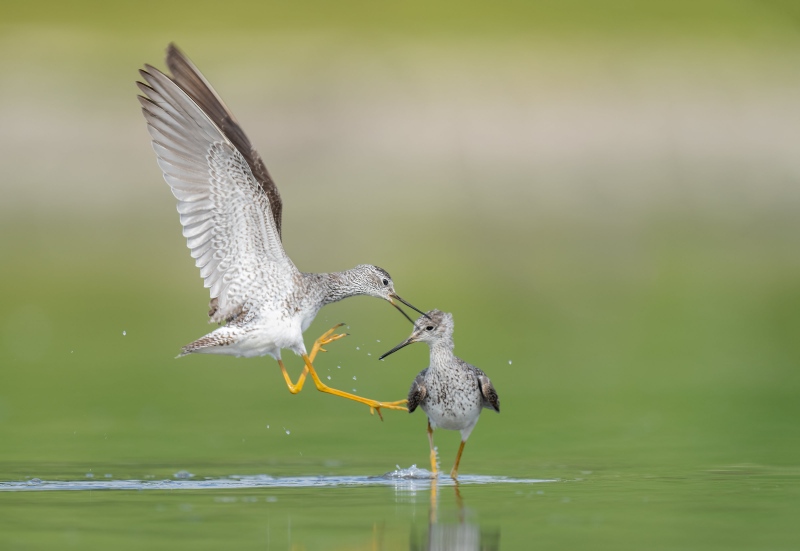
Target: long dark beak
398	347
402	312
398	297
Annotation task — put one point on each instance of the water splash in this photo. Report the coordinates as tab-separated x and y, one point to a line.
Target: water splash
413	473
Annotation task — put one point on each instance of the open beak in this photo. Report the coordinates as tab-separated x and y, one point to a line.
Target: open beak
399	298
401	311
399	346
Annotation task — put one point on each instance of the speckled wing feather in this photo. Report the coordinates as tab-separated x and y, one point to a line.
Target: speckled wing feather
490	398
192	81
417	392
225	213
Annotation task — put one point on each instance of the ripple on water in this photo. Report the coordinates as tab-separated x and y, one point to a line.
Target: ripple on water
410	476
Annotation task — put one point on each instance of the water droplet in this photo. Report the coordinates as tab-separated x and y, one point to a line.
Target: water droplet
89	475
358	348
354	378
509	362
329	377
378	340
267	426
124	333
108	475
369	353
354	390
338	367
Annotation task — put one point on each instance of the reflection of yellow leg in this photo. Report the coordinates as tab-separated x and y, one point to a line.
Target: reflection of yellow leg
434	502
326	338
459	503
454	472
434	468
378	535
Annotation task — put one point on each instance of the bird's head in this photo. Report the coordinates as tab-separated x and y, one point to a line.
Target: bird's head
376	282
430	328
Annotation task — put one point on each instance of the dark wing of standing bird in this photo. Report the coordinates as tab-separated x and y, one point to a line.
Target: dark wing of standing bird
191	80
417	392
490	398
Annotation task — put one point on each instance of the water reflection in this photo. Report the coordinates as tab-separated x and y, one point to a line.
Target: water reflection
452	529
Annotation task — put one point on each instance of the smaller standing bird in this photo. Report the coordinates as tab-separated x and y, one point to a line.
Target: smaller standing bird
450	391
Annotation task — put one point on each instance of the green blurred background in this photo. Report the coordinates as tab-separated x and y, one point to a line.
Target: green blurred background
605	194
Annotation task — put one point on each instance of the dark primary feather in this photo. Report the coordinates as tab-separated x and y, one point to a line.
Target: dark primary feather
189	78
490	398
417	392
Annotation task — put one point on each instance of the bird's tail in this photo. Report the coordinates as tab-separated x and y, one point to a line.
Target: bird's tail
209	344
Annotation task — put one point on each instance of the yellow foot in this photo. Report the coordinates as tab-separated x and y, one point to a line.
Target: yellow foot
399	405
326	338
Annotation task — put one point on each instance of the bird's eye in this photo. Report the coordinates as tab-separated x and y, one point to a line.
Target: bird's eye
429	328
385	281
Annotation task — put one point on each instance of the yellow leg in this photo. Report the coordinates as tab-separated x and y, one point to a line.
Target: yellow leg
374	405
434	467
454	472
326	338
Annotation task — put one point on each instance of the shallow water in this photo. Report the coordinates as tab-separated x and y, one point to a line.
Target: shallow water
746	507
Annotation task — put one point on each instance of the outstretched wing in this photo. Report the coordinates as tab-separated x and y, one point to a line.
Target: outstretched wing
192	81
226	215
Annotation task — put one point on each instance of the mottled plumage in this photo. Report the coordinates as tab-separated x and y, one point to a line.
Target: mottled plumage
231	210
450	391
